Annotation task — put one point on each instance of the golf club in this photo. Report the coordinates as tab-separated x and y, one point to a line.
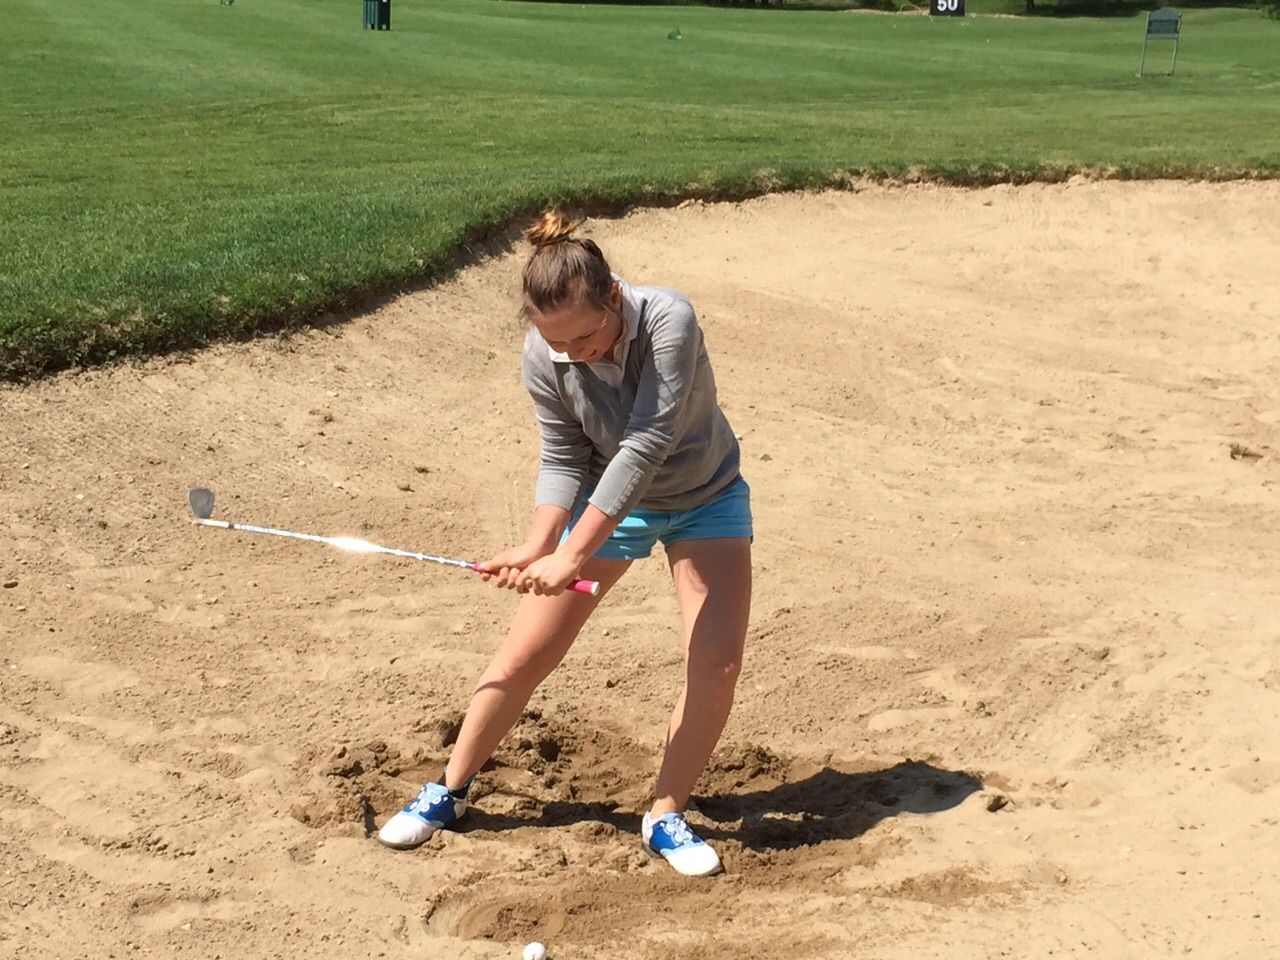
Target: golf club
200	500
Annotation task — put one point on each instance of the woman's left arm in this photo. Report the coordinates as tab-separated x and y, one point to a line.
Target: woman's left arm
666	380
553	573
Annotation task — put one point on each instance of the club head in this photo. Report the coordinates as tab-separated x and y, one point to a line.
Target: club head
201	501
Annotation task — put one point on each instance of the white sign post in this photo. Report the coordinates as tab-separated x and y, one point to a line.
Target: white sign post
1162	24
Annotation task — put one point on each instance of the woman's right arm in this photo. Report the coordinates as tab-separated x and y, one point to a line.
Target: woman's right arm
566	450
545	529
562	470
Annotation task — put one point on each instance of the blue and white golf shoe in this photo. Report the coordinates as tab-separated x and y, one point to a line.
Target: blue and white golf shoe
434	807
671	838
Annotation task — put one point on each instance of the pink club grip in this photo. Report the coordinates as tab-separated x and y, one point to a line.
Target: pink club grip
591	587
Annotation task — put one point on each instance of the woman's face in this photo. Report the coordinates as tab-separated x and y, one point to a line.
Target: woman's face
584	332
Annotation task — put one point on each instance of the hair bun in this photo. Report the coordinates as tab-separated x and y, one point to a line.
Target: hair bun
552	227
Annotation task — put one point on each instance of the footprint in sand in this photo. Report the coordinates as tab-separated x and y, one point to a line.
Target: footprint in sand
93	787
114	867
182	615
946	681
380	615
121	589
1256	777
79	679
869	651
158	912
117	603
893	719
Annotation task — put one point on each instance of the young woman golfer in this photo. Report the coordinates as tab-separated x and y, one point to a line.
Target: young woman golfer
635	449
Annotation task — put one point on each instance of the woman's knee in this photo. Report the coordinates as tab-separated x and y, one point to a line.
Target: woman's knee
719	666
525	668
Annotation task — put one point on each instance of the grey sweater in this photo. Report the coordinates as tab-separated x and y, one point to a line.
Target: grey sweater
657	440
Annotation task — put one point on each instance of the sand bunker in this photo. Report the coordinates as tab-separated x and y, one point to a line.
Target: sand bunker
1012	684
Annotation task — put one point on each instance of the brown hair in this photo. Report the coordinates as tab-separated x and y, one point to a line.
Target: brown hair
563	269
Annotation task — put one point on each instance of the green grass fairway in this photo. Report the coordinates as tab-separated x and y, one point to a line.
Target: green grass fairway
175	170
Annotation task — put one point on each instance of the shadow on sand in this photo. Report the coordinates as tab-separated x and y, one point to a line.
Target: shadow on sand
829	805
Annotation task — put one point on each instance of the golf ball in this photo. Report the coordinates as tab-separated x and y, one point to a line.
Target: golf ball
535	951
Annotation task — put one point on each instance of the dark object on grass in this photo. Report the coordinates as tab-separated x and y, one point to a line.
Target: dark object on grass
377	14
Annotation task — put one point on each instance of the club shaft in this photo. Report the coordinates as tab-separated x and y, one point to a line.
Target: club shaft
270	531
578	586
393	552
335	542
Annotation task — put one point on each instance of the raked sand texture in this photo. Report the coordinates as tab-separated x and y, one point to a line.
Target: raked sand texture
1012	686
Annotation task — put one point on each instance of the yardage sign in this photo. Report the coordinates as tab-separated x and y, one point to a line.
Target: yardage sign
1162	24
946	8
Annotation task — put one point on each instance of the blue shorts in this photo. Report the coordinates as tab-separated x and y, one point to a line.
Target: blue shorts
728	515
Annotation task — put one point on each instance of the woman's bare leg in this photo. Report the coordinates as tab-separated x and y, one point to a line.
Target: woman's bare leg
541	634
713	584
